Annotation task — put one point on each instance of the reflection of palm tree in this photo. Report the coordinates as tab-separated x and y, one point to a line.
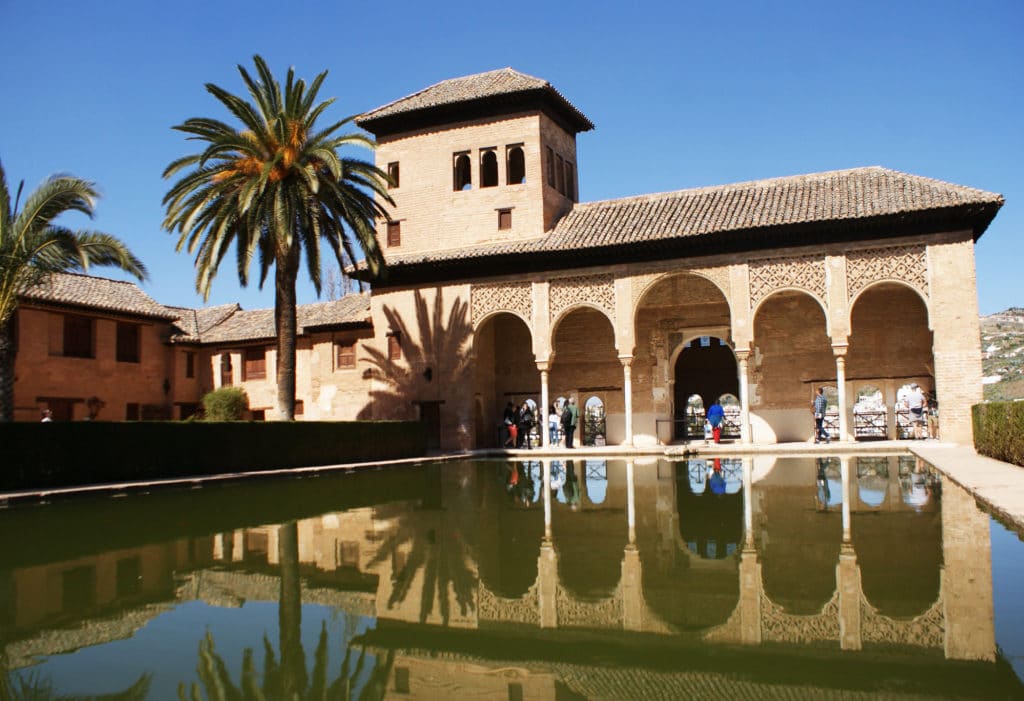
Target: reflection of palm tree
436	544
441	359
275	684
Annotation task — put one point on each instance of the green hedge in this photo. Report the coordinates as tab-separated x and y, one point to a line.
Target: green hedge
999	431
58	454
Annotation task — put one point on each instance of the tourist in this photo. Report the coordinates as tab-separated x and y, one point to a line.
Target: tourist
47	416
820	404
933	417
553	424
715	415
525	424
510	425
570	417
824	493
915	402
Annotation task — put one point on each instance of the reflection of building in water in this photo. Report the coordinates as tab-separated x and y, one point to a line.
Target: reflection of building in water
640	550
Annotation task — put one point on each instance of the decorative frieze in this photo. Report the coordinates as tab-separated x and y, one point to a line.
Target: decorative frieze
717	275
515	297
927	630
907	264
801	272
593	290
525	609
777	626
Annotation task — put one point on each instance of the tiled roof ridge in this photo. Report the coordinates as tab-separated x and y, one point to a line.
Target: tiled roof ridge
381	108
90	276
771	182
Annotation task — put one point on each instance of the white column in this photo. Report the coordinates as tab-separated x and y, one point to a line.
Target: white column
741	363
545	465
844	471
545	437
630	504
748	502
844	425
627	390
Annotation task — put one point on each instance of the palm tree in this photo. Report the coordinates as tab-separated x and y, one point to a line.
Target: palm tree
274	189
32	247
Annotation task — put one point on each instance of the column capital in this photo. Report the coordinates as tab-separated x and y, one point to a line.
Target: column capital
542	365
742	353
839	349
626	360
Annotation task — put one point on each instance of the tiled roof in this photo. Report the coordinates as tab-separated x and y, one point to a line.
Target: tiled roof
77	290
499	83
825	198
258	324
193	323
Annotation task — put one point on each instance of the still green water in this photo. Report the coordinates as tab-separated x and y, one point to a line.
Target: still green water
867	577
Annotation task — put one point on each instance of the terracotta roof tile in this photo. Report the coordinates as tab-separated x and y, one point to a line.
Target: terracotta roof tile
193	323
258	324
77	290
501	82
829	197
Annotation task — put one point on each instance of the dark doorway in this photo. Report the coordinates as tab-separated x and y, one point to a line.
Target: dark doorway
430	417
706	367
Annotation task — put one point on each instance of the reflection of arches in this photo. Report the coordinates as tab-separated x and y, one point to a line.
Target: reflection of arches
507	558
504	371
711	521
872	480
596	480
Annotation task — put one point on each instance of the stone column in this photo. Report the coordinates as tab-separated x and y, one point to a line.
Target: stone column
632	586
742	357
545	465
848	581
627	391
844	471
839	350
542	410
750	568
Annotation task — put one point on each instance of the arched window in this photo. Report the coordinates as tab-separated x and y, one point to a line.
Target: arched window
488	169
463	178
515	164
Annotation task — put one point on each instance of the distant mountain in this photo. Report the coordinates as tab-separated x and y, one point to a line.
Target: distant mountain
1002	354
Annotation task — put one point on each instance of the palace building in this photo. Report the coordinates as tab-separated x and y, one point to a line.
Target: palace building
502	286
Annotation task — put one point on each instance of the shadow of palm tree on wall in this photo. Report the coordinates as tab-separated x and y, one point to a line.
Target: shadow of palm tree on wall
435	357
435	542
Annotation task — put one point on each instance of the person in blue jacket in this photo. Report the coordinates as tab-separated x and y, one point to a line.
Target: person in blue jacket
715	415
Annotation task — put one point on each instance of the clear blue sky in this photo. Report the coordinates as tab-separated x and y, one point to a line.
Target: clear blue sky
683	94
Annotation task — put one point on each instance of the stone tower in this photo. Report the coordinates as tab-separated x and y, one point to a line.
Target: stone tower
484	159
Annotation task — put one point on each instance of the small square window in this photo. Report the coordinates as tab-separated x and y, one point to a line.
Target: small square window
127	343
394	233
551	165
395	347
131	411
346	355
78	341
255	363
504	219
300	407
190	364
393	174
401	680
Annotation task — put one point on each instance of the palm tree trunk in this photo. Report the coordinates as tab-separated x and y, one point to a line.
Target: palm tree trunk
289	614
286	270
7	369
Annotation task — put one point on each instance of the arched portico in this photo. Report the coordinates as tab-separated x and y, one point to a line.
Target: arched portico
792	355
673	312
504	371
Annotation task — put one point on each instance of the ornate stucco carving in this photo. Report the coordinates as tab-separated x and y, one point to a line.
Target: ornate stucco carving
594	290
525	609
802	272
602	613
777	626
902	263
515	297
926	630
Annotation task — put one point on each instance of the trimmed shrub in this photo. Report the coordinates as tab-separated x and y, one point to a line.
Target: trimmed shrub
226	404
999	430
61	454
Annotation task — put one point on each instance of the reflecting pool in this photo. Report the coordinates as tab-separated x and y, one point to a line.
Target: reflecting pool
544	579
